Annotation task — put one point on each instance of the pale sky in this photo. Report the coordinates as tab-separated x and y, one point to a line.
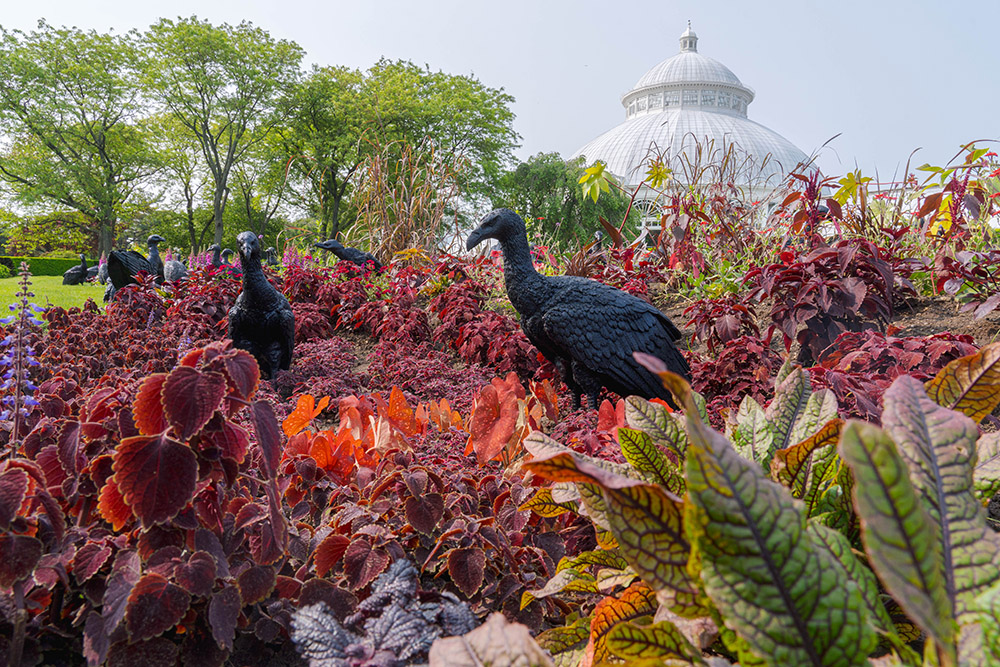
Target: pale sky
889	76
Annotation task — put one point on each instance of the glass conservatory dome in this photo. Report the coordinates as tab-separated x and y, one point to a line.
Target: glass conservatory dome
686	101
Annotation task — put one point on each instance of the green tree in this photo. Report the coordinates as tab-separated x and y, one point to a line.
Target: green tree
223	84
182	181
546	191
339	117
70	108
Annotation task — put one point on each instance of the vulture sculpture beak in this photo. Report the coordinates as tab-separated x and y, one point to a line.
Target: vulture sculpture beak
475	238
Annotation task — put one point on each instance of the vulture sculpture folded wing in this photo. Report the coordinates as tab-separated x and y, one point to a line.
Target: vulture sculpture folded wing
348	254
587	329
77	275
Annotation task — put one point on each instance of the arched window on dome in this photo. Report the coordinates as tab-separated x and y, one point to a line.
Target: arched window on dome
690	98
708	98
655	100
724	100
671	99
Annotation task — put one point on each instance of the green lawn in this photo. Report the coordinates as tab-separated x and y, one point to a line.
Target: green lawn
49	290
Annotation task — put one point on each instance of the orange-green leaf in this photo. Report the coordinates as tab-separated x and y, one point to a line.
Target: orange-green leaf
631	641
970	384
792	466
639	450
543	505
636	601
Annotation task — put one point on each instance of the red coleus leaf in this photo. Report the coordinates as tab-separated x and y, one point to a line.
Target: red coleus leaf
271	541
197	576
19	554
190	398
329	552
223	612
340	602
362	563
306	409
95	639
256	583
154	606
466	567
268	436
112	506
89	559
147	409
229	440
424	511
241	371
156	476
13	487
124	574
70	442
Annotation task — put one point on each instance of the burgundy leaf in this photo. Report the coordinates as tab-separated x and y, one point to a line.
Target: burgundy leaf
423	512
19	554
329	552
147	409
71	455
256	583
268	436
466	567
362	563
124	574
154	606
340	602
13	487
223	612
89	559
95	639
197	576
156	476
190	398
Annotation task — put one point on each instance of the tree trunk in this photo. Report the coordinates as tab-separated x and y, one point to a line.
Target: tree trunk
218	206
106	237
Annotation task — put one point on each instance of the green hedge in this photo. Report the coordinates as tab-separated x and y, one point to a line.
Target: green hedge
43	266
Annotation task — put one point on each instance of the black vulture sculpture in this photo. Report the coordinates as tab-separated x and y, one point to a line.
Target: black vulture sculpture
215	248
261	321
123	267
587	329
76	275
271	256
227	255
155	262
352	255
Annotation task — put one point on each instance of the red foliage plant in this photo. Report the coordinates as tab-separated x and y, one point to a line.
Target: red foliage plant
721	321
745	367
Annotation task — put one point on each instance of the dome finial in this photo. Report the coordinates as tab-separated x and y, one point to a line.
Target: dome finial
689	40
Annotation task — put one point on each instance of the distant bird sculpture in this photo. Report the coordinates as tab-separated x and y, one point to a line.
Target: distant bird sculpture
174	270
271	256
227	255
352	255
76	275
261	321
155	262
102	270
123	267
587	329
215	249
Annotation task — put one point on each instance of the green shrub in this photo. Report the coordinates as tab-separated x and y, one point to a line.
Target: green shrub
41	266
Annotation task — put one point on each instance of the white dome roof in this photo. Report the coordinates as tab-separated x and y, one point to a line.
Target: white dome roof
689	98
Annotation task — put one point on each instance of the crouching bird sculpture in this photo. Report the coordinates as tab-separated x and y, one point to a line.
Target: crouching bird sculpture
347	254
261	321
587	329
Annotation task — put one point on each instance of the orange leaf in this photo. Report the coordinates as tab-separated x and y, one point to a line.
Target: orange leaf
636	601
112	507
400	414
305	411
492	423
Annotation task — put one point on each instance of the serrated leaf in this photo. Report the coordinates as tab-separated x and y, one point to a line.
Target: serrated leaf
19	554
329	552
902	542
466	567
631	641
654	420
155	475
13	487
147	409
970	384
543	505
256	583
639	450
265	424
636	601
197	576
190	398
771	582
223	612
939	447
986	473
753	436
154	606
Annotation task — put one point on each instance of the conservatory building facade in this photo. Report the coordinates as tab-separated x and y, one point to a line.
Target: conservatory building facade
690	112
